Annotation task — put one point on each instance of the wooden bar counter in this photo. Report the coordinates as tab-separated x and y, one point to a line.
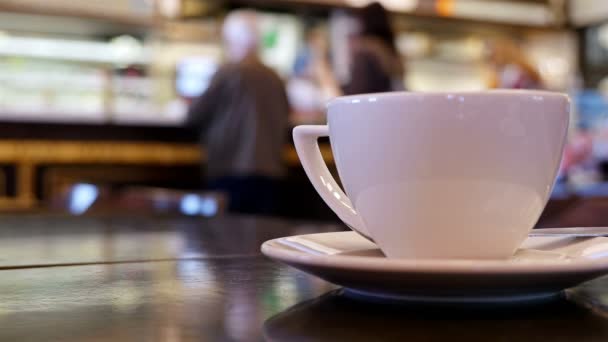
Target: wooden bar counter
38	159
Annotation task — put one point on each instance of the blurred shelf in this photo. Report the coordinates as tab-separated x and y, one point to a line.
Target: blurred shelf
134	21
24	117
426	11
92	118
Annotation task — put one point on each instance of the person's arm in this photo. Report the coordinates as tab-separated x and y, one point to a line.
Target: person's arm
203	108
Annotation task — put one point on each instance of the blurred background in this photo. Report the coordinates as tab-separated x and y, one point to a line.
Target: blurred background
94	96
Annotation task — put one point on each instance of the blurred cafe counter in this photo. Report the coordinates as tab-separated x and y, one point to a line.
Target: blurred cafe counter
40	161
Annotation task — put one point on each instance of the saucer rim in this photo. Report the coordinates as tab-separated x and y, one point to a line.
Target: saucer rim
280	252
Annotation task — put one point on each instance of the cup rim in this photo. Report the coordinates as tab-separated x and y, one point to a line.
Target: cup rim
515	93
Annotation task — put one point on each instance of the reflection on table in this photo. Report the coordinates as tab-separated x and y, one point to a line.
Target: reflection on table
126	278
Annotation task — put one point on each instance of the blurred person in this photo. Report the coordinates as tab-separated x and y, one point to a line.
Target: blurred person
315	43
376	65
303	90
511	69
578	153
242	121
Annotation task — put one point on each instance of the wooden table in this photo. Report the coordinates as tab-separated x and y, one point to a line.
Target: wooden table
118	278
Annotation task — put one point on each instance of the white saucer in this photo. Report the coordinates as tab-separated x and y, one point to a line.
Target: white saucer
540	269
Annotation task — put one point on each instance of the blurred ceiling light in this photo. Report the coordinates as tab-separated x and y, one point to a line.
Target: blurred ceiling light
444	8
170	8
190	204
126	48
82	197
392	5
400	5
209	207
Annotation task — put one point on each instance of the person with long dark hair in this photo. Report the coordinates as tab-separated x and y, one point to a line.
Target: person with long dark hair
375	64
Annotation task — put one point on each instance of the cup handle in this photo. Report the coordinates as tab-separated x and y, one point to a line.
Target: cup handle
307	146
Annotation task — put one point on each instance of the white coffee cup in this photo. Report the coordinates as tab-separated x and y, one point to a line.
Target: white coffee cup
440	175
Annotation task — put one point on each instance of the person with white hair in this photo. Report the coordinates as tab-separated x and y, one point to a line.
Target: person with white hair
242	120
241	35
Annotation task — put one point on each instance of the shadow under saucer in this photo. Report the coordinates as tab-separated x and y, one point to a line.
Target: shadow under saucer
338	317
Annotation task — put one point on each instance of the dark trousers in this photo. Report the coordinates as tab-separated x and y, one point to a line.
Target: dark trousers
249	194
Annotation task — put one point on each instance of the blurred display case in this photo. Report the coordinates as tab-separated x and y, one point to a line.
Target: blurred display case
175	47
122	80
38	90
73	72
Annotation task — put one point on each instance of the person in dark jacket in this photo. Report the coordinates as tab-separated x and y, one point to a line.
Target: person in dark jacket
243	122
